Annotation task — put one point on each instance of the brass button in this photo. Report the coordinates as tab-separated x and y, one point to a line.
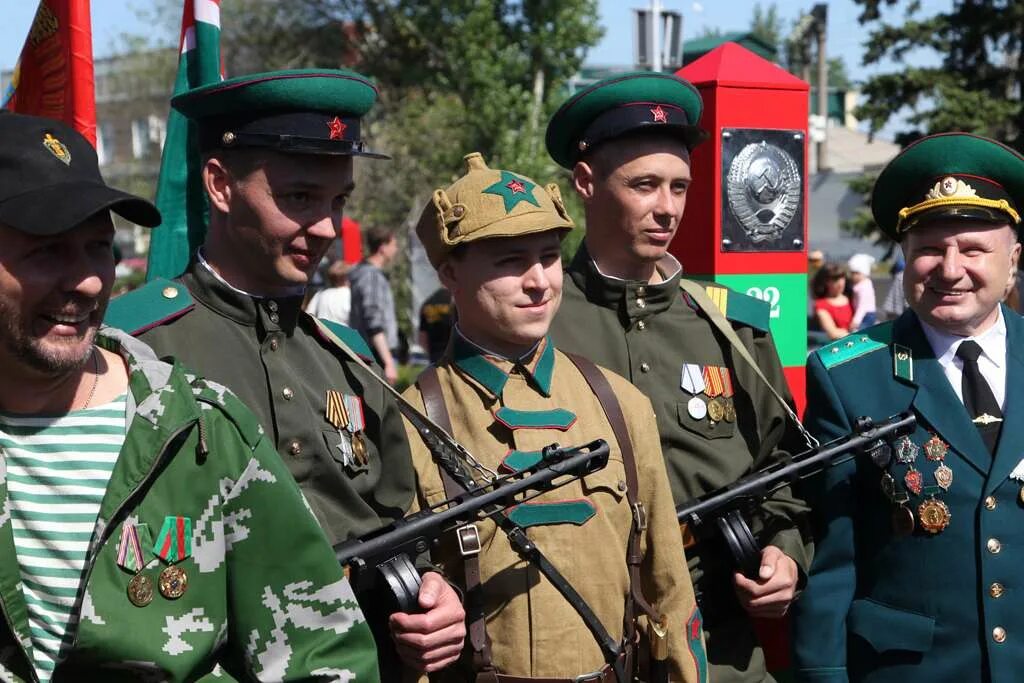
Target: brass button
272	305
999	634
644	367
287	393
641	325
273	318
994	546
622	485
990	502
458	211
274	344
641	290
641	303
996	590
295	448
170	292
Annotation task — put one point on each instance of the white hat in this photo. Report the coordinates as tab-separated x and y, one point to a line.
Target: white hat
861	263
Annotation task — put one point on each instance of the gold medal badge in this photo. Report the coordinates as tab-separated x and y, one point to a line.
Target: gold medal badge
140	590
173	582
57	148
934	515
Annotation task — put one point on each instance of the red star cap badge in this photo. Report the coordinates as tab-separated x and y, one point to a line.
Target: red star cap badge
337	128
659	115
516	186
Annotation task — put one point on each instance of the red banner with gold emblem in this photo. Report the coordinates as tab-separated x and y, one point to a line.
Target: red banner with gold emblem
54	75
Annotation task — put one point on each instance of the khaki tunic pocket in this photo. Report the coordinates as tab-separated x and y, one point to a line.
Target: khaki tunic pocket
704	427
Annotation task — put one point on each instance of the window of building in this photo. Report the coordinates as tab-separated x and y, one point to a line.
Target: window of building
105	139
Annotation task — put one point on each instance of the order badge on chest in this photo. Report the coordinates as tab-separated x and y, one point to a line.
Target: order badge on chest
346	414
933	515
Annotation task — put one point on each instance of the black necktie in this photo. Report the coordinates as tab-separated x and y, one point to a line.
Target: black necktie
979	400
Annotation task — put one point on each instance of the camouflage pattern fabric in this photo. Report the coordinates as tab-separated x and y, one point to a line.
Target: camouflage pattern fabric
265	599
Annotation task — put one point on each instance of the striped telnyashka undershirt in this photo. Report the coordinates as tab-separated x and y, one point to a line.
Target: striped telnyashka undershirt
58	469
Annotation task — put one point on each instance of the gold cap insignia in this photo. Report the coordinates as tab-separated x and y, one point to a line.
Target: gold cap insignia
57	148
951	187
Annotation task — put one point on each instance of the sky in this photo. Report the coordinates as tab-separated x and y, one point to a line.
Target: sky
112	18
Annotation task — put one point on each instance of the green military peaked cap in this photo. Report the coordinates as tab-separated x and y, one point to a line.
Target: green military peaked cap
951	175
303	111
622	104
488	203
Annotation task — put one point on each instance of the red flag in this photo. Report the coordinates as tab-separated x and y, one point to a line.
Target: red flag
54	76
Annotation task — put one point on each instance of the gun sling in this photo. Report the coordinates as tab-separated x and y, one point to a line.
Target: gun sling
433	401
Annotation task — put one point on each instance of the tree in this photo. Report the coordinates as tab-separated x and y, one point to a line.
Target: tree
766	24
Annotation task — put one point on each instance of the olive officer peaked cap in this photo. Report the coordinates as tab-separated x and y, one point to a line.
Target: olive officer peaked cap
949	176
622	104
488	203
301	111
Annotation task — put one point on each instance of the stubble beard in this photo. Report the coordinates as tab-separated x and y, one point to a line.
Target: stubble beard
54	358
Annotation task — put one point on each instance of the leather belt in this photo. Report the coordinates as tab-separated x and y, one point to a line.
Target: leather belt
605	675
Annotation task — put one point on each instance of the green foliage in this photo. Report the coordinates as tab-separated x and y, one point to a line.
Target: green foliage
974	87
862	223
766	24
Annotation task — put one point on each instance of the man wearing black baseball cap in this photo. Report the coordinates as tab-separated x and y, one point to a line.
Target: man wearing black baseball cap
138	504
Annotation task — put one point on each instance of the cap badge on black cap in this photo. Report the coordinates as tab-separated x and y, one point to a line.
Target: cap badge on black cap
512	189
951	187
337	128
659	115
57	148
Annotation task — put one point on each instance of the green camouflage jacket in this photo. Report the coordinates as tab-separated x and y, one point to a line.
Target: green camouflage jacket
265	599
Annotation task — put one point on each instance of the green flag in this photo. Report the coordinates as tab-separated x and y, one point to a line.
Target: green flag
179	192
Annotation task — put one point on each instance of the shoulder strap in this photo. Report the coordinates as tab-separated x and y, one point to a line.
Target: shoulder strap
434	406
613	412
700	297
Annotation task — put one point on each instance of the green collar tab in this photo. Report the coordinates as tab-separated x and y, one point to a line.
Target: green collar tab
471	361
902	362
349	337
577	512
517	461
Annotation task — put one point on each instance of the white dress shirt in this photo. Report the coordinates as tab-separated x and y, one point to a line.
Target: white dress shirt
991	363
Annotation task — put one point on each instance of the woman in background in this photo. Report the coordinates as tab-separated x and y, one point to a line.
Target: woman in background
832	308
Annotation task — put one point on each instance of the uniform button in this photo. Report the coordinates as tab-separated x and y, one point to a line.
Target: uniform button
641	325
287	393
274	344
990	502
295	448
644	367
622	485
272	305
993	545
640	291
170	292
641	303
996	590
273	318
999	634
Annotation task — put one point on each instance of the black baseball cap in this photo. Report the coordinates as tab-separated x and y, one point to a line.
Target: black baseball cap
50	179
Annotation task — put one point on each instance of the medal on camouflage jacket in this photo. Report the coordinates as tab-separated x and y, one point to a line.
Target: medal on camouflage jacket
174	545
130	558
691	381
337	415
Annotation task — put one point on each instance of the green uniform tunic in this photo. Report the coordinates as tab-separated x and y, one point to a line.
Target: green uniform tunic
269	352
256	617
646	333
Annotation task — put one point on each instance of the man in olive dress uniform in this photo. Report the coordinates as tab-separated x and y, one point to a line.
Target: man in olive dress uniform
278	150
627	141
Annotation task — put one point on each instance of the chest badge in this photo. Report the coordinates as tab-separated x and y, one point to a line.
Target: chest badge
711	389
345	413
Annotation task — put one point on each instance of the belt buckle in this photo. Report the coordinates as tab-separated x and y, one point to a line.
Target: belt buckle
593	676
640	516
469	540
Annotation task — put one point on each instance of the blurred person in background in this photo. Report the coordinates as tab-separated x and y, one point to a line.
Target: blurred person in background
863	300
436	323
833	311
334	302
373	303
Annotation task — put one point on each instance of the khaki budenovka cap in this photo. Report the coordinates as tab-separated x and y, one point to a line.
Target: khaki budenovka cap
488	203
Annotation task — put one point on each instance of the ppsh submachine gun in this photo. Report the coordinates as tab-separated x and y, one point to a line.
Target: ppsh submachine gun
725	511
387	554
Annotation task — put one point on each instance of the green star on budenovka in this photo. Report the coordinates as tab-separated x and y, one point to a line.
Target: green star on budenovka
513	189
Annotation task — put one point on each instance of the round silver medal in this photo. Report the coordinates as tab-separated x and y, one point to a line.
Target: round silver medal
697	408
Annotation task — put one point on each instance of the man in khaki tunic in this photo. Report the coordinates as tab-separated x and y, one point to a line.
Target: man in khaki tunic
494	237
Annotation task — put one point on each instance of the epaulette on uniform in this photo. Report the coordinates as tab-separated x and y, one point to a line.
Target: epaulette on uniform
856	345
740	308
219	396
350	338
152	304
